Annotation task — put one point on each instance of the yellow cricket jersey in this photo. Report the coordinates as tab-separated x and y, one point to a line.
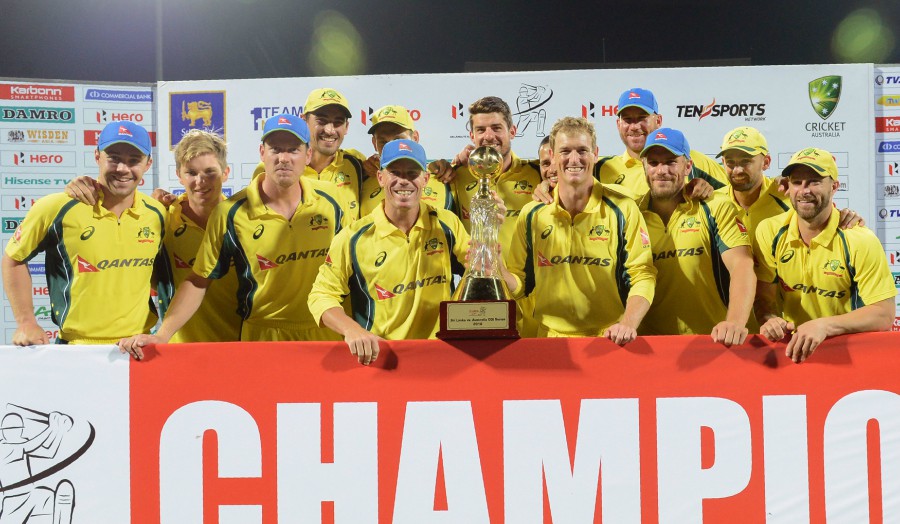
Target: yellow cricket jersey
582	270
99	267
840	271
276	259
217	319
771	202
692	282
395	281
515	186
435	193
708	169
624	171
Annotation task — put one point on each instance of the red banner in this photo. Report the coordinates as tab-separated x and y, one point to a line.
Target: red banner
667	429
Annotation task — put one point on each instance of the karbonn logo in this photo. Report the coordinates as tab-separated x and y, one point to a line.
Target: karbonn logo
887	124
715	110
37	92
300	255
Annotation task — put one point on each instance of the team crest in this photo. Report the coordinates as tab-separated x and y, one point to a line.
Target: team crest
832	267
145	235
824	95
196	110
522	187
318	222
433	246
690	225
599	232
341	179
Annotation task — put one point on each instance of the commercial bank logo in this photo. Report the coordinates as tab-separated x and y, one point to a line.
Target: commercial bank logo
118	95
262	113
889	146
824	95
196	110
47	93
754	111
48	115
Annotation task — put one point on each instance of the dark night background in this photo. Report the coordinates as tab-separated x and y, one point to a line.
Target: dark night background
116	40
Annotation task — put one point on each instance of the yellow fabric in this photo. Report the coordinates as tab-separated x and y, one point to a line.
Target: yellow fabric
692	281
840	271
395	282
771	202
276	259
99	266
217	319
581	270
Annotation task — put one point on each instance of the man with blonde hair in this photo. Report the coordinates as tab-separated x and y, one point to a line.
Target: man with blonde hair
586	256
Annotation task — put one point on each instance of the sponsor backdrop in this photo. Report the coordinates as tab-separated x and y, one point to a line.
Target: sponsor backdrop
49	130
887	161
48	134
523	432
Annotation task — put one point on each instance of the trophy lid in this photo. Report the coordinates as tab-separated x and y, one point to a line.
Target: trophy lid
485	162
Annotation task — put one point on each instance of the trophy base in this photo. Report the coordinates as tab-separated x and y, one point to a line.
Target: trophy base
478	319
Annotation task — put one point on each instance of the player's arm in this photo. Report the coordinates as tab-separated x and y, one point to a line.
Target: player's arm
17	284
874	317
362	343
850	219
625	330
733	330
87	190
184	304
445	170
771	324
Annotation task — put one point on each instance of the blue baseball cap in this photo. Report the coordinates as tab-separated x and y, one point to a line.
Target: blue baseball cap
290	123
403	148
671	139
124	132
640	98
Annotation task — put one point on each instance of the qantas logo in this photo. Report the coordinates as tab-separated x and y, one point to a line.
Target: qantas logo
179	263
741	225
86	267
123	131
265	263
383	294
282	121
542	260
645	238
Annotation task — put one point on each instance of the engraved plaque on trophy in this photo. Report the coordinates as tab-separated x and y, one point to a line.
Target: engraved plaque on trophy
481	307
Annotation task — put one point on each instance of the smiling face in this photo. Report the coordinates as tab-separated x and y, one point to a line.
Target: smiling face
745	171
666	172
491	129
202	178
122	166
327	128
811	193
548	168
402	181
574	156
634	125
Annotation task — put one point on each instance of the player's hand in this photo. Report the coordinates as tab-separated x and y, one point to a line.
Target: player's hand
163	197
363	345
620	333
501	207
462	158
442	170
807	338
776	328
372	165
729	333
30	334
783	184
850	219
134	346
699	189
84	189
544	192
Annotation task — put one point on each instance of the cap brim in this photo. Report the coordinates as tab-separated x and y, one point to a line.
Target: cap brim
667	147
104	147
373	126
401	157
648	110
786	172
749	150
263	139
346	110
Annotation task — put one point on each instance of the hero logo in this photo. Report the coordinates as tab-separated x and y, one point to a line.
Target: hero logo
103	116
29	158
750	112
37	92
590	110
887	124
366	116
892	168
19	202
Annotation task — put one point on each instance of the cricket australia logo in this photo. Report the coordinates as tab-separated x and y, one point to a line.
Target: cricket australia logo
434	246
145	235
318	222
34	447
824	95
690	225
599	232
832	268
